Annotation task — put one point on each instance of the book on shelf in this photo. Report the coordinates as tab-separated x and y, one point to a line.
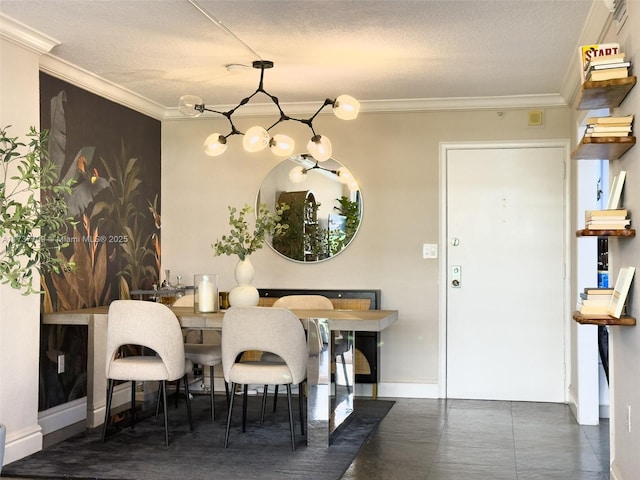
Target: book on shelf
587	53
607	134
609	74
601	221
596	297
615	193
605	60
593	309
618	120
613	225
608	128
606	66
602	300
598	290
618	212
620	291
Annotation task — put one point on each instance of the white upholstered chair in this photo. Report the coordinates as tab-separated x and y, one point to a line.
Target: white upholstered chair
268	329
153	326
205	354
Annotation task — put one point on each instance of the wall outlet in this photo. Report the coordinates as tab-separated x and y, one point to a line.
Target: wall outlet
61	363
430	250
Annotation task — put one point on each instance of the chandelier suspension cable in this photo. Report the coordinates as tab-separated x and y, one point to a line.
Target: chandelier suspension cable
223	27
257	137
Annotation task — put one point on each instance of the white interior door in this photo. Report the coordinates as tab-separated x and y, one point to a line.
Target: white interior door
505	316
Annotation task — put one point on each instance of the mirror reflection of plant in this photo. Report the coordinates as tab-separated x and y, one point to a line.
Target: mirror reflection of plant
351	211
30	227
241	241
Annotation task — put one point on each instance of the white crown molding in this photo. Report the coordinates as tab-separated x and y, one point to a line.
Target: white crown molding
63	70
598	21
25	36
402	105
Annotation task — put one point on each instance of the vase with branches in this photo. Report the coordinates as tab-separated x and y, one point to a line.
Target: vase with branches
242	241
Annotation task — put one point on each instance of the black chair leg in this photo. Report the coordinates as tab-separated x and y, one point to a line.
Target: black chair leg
301	407
245	395
188	395
264	403
108	410
133	403
163	387
231	398
275	398
293	433
213	408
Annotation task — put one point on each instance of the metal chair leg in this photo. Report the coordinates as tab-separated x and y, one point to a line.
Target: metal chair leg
163	386
213	408
264	403
293	433
108	410
188	395
226	435
301	406
133	403
245	395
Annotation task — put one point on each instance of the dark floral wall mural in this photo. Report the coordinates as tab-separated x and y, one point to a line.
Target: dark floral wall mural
113	153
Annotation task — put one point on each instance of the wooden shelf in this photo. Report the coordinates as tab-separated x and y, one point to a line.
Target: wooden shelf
602	148
627	232
603	320
604	93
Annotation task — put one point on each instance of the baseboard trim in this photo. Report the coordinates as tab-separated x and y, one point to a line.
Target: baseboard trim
408	390
23	444
63	415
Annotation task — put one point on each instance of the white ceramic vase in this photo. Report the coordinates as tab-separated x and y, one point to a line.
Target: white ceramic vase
244	294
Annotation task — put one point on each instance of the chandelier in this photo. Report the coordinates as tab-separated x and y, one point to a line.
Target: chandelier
257	138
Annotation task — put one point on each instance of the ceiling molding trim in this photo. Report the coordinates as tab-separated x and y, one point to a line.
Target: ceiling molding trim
58	68
598	22
389	106
25	36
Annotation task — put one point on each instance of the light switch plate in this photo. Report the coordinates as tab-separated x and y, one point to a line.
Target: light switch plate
430	250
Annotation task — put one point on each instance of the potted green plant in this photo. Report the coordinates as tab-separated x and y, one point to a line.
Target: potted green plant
242	241
33	212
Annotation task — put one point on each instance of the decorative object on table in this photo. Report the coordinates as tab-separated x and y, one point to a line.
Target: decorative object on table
257	138
224	300
242	242
206	292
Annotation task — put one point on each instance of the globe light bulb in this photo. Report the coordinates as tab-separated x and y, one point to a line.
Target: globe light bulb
282	145
255	139
320	148
215	144
297	174
187	105
344	175
346	107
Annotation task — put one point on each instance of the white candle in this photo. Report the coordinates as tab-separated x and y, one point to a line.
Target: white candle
206	295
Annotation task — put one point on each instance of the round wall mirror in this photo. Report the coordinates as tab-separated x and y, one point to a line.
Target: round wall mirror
325	207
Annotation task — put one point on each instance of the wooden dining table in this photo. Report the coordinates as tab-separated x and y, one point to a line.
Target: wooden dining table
325	413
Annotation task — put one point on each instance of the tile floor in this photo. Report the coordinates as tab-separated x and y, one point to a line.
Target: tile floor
482	440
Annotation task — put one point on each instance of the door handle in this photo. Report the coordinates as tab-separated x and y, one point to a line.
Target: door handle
456	276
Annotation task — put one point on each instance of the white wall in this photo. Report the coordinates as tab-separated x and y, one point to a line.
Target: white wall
394	157
19	315
625	341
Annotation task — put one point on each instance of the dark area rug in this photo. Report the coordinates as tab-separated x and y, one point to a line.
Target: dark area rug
263	451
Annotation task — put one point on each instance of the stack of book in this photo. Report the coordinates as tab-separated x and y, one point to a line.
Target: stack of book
607	67
609	126
595	301
607	219
587	53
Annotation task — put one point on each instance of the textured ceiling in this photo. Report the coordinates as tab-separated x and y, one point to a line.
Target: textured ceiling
373	50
